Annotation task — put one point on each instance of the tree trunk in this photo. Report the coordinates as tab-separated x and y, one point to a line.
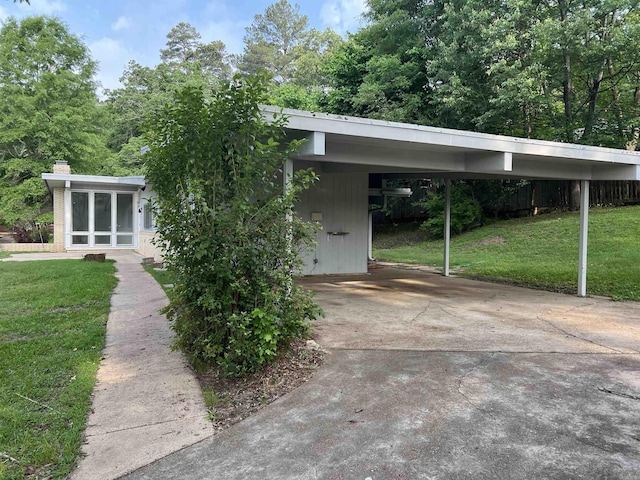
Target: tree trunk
574	195
594	91
616	102
567	82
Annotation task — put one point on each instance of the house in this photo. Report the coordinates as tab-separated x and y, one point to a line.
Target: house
107	213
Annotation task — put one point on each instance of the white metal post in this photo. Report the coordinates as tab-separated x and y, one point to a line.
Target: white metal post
370	240
584	230
447	226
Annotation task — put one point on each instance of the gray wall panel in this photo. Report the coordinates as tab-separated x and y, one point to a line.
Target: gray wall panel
342	199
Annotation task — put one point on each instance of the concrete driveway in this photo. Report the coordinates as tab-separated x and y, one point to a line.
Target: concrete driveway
445	378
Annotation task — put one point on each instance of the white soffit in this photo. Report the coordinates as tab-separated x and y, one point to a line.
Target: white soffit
353	143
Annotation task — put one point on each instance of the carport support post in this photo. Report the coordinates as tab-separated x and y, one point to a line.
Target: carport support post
584	229
447	226
370	239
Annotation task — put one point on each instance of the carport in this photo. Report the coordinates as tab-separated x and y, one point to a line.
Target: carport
345	150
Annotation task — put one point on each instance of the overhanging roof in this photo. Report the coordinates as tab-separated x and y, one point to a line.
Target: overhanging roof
346	143
59	180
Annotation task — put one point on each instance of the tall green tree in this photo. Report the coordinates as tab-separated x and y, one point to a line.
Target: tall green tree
186	50
380	72
280	42
48	112
227	225
273	41
555	69
591	51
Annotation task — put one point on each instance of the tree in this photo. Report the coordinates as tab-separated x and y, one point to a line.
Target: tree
186	50
272	41
556	69
227	227
380	71
145	91
49	112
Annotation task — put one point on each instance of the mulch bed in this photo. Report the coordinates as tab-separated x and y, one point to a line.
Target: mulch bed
237	398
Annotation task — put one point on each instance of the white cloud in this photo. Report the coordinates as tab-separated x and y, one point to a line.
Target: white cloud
44	7
122	23
343	15
3	14
228	31
221	24
112	57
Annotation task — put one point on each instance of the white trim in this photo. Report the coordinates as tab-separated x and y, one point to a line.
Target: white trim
379	146
420	134
447	226
584	232
91	233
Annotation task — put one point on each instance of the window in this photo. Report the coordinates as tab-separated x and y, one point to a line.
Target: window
102	219
147	216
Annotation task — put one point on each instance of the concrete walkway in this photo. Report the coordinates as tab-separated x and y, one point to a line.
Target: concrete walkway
147	402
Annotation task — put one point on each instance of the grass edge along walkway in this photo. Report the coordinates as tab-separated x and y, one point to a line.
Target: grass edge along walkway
53	317
538	252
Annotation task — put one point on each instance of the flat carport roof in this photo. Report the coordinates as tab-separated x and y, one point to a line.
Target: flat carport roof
350	144
345	143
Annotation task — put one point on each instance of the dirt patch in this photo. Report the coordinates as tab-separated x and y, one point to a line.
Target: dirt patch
230	400
490	241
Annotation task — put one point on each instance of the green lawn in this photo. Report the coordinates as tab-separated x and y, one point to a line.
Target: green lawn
4	254
52	330
540	252
163	277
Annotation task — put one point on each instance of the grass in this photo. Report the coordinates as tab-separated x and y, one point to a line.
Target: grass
4	254
52	331
163	277
540	252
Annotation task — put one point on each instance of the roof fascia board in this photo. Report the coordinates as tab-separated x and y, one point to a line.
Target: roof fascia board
344	125
555	171
51	178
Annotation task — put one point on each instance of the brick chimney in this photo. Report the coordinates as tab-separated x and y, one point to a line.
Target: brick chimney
61	166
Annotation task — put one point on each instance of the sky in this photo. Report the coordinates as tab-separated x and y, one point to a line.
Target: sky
117	31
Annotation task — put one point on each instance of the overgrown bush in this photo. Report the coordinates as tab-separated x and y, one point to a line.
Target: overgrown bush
31	234
466	212
227	227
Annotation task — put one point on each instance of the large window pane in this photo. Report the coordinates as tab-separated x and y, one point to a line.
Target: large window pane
102	240
80	239
102	212
125	239
80	210
125	212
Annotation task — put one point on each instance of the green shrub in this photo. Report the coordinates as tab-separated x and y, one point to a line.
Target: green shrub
466	212
31	234
228	229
